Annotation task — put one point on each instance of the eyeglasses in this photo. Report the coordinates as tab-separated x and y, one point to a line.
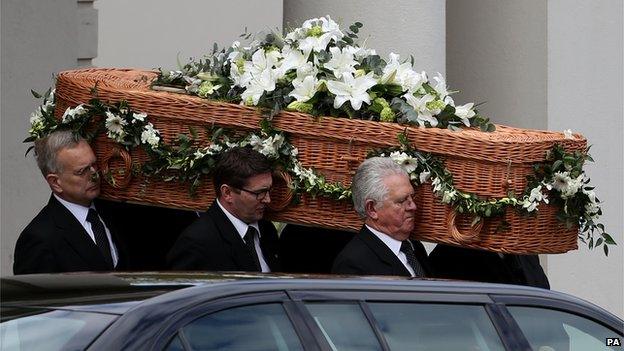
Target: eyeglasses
260	194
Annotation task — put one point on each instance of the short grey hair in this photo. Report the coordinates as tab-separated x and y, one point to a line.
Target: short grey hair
368	182
48	147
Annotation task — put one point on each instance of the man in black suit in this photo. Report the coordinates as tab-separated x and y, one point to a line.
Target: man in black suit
453	262
382	195
231	235
71	233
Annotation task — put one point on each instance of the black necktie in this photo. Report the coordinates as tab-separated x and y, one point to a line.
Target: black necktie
408	250
100	236
251	246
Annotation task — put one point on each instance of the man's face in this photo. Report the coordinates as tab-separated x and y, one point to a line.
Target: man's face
77	180
396	215
248	204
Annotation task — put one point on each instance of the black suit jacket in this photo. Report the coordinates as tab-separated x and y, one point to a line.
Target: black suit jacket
212	243
55	242
366	254
453	262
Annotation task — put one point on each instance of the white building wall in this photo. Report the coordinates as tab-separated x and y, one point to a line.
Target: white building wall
553	65
39	39
154	33
585	94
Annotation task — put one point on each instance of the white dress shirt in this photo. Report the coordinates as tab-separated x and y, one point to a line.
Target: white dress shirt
394	246
81	212
241	227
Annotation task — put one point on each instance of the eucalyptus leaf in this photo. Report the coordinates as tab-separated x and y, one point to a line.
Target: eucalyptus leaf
608	239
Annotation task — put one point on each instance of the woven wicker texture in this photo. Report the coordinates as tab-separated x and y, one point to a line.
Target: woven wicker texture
488	164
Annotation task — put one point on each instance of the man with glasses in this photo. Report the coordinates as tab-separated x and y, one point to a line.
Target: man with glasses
232	235
383	197
70	233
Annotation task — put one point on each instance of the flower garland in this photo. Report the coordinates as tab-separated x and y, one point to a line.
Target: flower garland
319	69
562	180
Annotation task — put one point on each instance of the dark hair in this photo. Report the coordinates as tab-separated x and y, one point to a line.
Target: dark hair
235	166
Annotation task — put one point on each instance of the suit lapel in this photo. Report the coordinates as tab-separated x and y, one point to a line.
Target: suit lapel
241	256
383	252
68	227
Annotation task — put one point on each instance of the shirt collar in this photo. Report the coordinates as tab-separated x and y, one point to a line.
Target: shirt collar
240	226
393	244
79	211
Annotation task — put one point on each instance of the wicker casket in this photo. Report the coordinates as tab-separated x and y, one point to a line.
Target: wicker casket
487	164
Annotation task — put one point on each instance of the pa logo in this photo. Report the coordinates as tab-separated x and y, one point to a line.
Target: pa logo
613	342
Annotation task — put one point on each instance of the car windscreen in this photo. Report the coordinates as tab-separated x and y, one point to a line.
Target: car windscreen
44	329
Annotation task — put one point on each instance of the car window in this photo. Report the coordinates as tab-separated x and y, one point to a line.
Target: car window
254	327
416	326
548	329
175	344
344	326
53	330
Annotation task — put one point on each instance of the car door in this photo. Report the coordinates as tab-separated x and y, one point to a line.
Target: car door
254	321
550	324
373	320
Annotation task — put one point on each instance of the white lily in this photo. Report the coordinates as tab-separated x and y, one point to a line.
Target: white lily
567	134
342	61
464	112
411	80
402	74
305	90
440	86
352	89
420	106
292	59
316	44
265	81
307	69
260	61
419	103
319	32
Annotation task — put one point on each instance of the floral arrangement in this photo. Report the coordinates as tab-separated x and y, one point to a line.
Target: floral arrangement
319	69
560	180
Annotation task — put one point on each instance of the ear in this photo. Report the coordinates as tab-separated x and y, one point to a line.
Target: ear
371	211
226	193
54	183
